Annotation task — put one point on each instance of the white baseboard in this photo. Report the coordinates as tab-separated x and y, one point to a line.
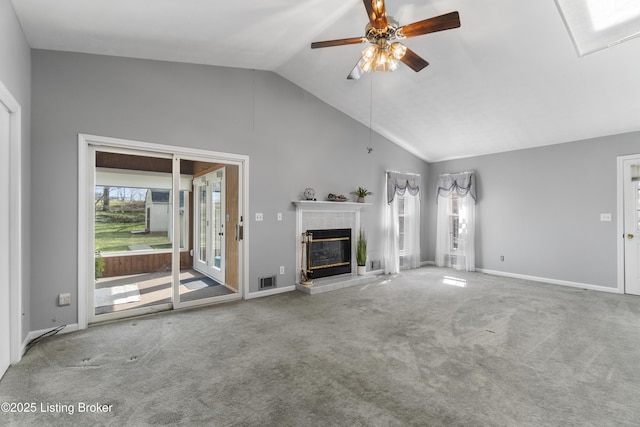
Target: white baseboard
35	334
551	281
266	293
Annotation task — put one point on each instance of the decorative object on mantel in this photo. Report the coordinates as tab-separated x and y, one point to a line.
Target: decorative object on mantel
361	253
309	193
333	198
361	193
304	277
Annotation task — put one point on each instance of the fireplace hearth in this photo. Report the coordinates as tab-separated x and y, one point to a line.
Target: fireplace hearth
328	252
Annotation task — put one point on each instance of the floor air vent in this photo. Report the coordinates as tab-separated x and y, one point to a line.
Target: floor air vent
267	282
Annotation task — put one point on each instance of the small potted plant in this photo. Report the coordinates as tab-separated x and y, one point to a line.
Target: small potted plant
361	253
361	193
99	265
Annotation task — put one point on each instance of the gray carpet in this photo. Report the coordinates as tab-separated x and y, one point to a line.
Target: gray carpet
416	349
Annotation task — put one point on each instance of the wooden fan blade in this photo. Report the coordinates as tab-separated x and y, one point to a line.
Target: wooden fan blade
431	25
357	71
413	60
377	13
340	42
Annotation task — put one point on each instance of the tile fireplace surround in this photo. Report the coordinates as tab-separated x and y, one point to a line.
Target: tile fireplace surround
314	215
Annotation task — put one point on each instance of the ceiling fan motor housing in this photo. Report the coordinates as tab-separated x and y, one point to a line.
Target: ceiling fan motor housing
384	35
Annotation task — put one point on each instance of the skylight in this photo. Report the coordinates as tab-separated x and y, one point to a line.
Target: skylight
598	24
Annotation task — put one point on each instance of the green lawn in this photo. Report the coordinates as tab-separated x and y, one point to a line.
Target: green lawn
113	232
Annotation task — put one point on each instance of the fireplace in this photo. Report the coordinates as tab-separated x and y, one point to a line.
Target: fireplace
328	252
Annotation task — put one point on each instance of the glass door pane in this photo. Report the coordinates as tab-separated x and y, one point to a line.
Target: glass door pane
202	194
400	200
133	199
217	226
201	223
637	192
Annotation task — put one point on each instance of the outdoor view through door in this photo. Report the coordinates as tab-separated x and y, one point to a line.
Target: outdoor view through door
138	231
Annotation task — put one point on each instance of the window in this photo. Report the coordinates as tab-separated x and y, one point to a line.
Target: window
401	229
456	221
402	222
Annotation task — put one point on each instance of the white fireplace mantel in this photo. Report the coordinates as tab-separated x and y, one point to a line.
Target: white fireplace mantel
311	214
314	205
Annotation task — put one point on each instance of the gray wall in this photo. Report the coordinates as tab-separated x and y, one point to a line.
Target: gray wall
15	74
293	139
541	207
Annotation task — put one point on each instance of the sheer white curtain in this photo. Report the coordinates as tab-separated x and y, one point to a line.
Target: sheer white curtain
402	222
443	236
455	228
391	245
411	253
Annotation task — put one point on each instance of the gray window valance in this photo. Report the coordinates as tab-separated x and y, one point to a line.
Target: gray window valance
462	183
400	183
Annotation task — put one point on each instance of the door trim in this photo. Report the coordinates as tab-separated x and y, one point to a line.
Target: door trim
85	273
620	217
15	221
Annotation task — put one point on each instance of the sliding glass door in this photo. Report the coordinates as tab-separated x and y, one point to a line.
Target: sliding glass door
159	232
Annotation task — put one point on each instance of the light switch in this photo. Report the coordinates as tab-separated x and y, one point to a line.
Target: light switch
605	217
279	216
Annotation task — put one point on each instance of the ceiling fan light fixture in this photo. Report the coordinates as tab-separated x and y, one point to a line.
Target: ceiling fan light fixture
370	52
369	58
379	59
385	62
397	50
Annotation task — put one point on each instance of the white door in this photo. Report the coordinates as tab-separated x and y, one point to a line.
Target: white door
201	225
5	334
209	230
631	188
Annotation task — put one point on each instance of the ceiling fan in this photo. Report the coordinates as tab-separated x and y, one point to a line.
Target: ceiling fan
382	32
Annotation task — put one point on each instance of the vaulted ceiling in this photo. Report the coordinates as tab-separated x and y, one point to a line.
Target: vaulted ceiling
508	78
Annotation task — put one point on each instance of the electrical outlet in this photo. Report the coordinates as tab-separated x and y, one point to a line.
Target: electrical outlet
282	269
259	216
64	299
606	217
